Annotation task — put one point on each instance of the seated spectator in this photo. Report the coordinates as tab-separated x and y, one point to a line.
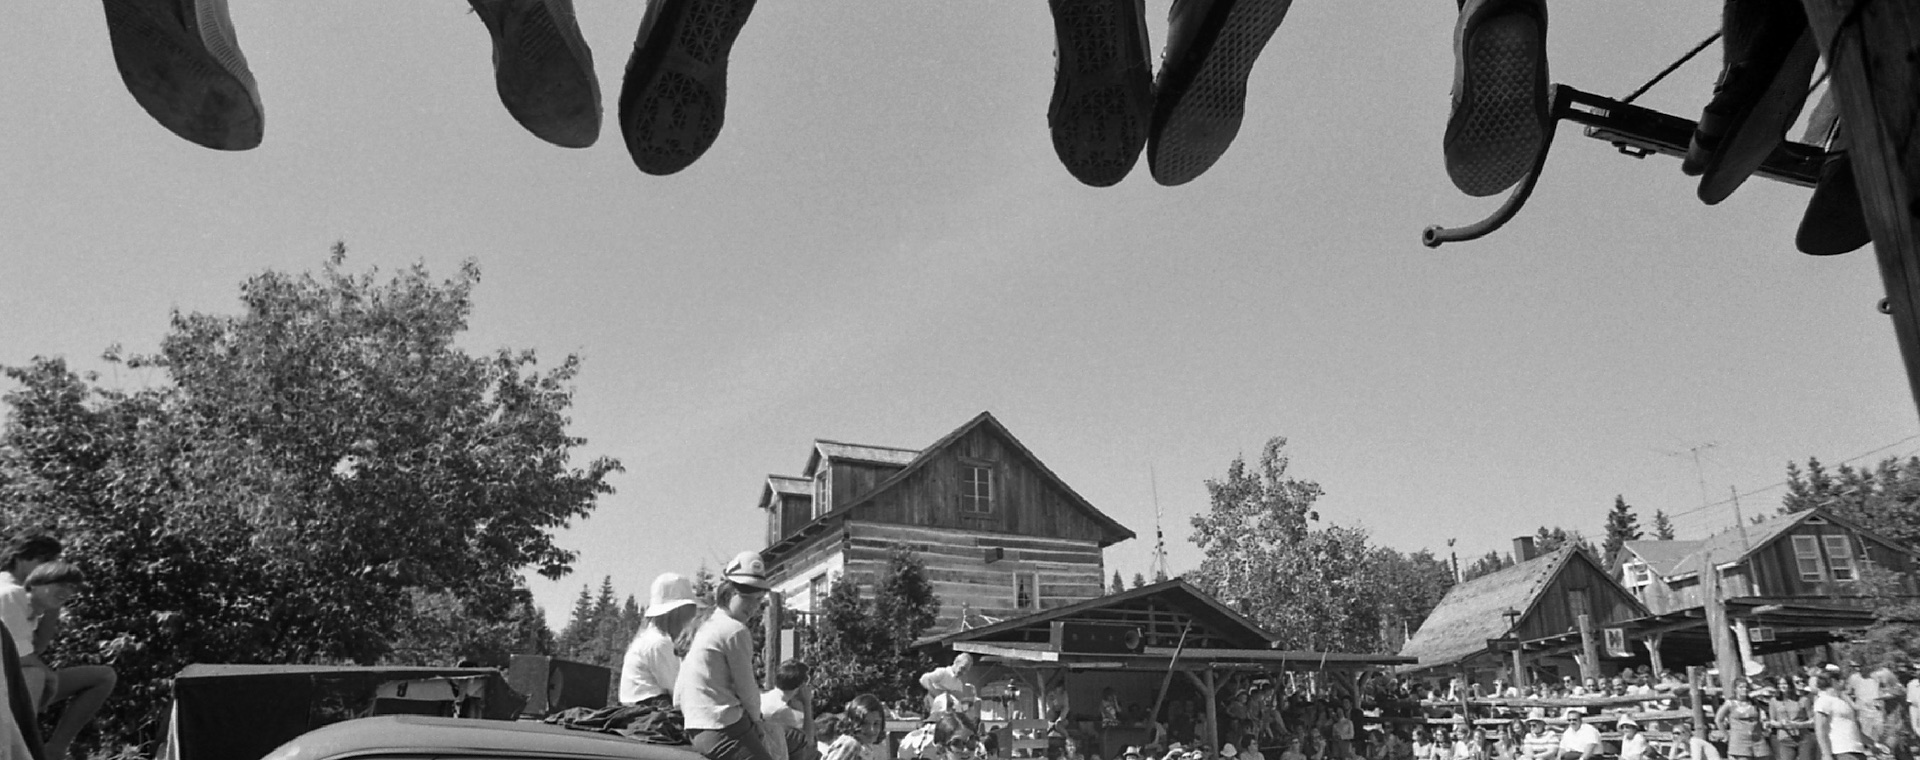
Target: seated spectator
30	612
784	710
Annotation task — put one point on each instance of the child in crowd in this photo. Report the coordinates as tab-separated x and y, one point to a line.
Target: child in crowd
784	709
864	726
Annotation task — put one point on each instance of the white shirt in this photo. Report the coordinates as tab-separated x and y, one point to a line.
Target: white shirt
1634	748
1843	728
777	707
16	613
650	667
1701	749
1580	739
716	680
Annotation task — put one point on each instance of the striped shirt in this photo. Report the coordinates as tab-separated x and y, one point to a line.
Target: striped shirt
1541	745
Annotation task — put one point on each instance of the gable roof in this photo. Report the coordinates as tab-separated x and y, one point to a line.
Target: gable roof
784	485
1114	531
1662	556
1472	612
1733	544
825	450
1155	607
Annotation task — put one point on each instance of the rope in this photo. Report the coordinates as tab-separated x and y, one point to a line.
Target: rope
1671	68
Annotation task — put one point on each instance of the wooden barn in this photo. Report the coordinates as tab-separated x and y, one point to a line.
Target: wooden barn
1806	556
1001	535
1536	604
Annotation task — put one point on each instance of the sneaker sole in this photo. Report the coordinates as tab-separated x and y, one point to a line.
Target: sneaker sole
1499	117
543	71
1753	137
1102	91
1196	117
673	103
1834	222
193	81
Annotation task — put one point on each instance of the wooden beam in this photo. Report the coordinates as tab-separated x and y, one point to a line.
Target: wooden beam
1871	51
1725	655
1213	711
1010	652
1653	654
1589	649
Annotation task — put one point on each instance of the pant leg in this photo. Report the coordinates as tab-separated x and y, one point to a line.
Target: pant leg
738	741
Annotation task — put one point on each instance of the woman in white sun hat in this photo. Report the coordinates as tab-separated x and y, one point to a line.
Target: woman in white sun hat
716	690
651	666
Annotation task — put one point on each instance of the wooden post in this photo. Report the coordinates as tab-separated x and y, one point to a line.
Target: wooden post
1519	670
1871	50
1693	700
1653	653
1589	650
772	619
1725	655
1213	712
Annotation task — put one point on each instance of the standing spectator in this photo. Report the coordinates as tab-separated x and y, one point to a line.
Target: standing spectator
34	586
1688	746
1581	740
716	690
1835	723
1893	733
1864	694
1790	715
1343	731
650	667
1743	720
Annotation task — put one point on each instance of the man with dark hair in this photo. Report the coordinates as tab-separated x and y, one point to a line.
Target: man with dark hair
716	689
784	709
34	586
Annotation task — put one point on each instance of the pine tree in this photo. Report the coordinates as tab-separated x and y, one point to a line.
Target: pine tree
1622	526
1139	580
579	626
1117	585
1662	526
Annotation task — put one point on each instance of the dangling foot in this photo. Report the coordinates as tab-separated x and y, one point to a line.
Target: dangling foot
674	100
543	69
1499	117
182	62
1102	87
1201	94
1759	95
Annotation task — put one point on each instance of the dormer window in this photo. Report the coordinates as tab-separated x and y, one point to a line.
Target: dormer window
1637	574
976	488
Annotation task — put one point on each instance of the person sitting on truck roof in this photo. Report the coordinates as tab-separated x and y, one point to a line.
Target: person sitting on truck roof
716	690
651	666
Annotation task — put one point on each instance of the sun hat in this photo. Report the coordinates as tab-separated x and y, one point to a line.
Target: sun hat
1626	720
1537	714
1227	750
671	591
1132	751
747	569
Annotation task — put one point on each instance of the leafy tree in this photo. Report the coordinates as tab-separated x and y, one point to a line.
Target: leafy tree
1316	587
1662	526
1117	586
1622	526
320	478
860	644
1487	564
1548	540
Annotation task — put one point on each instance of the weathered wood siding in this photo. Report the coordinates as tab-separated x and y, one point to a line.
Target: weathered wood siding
798	562
1024	501
1772	572
795	512
851	480
1067	571
1556	612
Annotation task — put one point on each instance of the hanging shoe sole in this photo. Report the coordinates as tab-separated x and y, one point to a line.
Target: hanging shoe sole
1751	133
543	69
1834	222
1499	117
182	63
1102	88
674	100
1201	96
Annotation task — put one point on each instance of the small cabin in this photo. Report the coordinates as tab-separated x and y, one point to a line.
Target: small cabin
1000	533
1806	556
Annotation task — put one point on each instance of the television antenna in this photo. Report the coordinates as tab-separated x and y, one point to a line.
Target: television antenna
1159	568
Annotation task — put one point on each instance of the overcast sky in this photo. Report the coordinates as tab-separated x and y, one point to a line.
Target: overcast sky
882	245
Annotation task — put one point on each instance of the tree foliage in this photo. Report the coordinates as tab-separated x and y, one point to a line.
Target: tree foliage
1487	564
1318	587
322	477
1662	526
863	644
1622	526
1884	499
1548	540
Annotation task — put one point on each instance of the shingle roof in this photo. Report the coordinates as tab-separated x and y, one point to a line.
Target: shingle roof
1471	612
1663	556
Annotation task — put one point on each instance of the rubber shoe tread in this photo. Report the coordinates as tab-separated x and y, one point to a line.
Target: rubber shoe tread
673	101
1103	88
182	63
1499	115
1200	96
543	69
1757	124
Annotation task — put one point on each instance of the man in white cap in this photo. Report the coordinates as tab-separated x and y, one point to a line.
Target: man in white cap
650	667
716	691
1581	740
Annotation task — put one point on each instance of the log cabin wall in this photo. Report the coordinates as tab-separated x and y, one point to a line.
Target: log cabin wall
983	573
1580	587
1024	501
795	570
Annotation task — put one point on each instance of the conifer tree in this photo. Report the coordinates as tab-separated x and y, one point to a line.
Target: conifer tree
1622	526
1117	586
1662	526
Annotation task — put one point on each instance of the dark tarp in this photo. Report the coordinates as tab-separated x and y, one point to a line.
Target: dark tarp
242	712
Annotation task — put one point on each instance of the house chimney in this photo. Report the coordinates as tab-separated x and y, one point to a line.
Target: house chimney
1522	549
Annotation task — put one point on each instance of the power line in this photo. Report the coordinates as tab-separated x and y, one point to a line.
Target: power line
1763	489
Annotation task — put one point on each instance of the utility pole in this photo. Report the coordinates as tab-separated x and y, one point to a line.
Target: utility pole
1741	521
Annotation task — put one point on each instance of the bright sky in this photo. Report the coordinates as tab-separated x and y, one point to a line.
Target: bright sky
882	244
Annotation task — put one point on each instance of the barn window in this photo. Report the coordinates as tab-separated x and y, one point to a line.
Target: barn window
1638	574
1026	591
976	489
1840	558
817	592
1806	551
